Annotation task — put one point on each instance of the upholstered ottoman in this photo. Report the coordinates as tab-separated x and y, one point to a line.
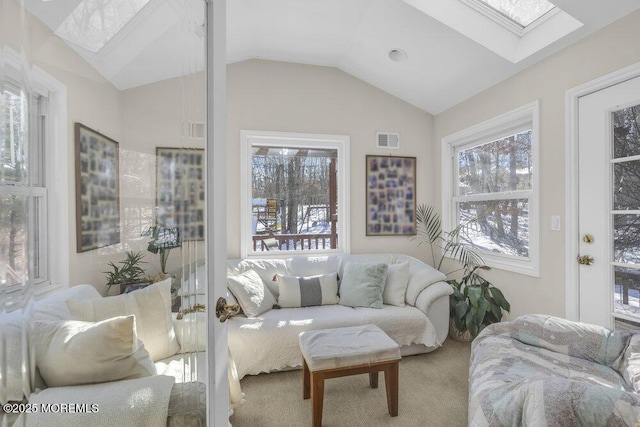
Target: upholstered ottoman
332	353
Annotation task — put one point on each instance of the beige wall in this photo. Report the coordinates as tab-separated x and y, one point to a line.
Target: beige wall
610	49
279	96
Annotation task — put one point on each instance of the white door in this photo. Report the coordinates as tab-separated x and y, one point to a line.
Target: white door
609	204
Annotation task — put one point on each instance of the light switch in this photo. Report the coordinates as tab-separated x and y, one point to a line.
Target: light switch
555	222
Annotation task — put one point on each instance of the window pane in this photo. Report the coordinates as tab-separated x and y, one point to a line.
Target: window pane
524	12
13	240
497	226
626	190
626	237
500	165
13	137
626	132
627	291
294	193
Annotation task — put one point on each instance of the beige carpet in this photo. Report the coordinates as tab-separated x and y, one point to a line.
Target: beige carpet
433	392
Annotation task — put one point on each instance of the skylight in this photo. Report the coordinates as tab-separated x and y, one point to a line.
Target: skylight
94	22
522	12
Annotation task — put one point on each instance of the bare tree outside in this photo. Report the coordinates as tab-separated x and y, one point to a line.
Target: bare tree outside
296	181
500	166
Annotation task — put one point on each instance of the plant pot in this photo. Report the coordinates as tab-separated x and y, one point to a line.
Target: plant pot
456	335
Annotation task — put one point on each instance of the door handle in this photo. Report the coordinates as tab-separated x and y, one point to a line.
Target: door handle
585	260
224	310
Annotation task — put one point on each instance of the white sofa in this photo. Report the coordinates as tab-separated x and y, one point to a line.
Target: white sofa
269	342
172	396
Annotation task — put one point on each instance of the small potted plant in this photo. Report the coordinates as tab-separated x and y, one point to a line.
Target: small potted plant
475	302
128	272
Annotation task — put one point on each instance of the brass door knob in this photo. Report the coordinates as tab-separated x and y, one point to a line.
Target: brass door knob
585	260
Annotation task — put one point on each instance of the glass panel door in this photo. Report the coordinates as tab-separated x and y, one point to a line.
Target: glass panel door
626	210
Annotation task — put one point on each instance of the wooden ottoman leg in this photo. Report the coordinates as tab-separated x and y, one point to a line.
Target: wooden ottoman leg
317	397
373	379
391	382
306	390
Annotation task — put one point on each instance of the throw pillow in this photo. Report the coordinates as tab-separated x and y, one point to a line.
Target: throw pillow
395	286
72	352
363	284
308	291
191	332
251	292
152	308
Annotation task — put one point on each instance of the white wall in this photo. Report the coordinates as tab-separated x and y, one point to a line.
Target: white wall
279	96
607	50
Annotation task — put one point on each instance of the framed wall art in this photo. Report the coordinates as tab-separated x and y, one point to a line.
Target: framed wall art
180	190
391	196
97	190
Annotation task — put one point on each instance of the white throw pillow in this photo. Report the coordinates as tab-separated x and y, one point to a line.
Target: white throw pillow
308	291
152	308
72	352
252	294
191	332
395	287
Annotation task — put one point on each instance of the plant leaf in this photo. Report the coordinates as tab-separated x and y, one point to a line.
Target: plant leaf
500	299
474	294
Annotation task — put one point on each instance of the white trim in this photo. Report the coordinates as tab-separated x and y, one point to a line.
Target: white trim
216	210
291	139
57	160
481	133
572	233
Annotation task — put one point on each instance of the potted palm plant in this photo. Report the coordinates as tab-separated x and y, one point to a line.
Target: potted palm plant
475	302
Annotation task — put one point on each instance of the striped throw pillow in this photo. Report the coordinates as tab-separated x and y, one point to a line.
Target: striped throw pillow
307	291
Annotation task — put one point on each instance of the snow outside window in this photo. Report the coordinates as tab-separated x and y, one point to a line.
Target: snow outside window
294	193
491	186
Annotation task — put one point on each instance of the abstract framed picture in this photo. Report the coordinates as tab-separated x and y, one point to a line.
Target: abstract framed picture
97	190
391	196
180	190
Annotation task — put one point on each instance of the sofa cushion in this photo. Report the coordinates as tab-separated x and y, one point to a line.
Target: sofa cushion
630	366
363	284
265	268
152	308
308	291
252	294
395	286
72	352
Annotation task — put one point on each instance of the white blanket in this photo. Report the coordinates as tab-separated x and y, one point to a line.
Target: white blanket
270	342
138	402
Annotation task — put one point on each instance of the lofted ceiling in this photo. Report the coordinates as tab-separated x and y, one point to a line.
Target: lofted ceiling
454	51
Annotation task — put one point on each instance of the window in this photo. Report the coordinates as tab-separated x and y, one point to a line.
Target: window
523	12
294	193
33	185
491	185
23	197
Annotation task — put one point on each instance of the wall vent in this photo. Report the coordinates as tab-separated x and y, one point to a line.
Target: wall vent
193	130
388	140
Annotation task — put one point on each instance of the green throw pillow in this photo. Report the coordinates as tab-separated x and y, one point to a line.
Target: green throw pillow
362	284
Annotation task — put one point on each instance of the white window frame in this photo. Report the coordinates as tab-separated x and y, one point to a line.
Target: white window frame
54	223
504	125
249	138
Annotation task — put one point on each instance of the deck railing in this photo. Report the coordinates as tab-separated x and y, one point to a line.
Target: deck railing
287	242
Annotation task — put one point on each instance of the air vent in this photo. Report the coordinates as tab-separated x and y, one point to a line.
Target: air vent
193	130
388	140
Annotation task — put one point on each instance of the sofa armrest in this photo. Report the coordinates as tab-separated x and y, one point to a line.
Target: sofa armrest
433	301
421	276
582	340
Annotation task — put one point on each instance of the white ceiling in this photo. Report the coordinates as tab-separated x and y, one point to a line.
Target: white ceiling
454	51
